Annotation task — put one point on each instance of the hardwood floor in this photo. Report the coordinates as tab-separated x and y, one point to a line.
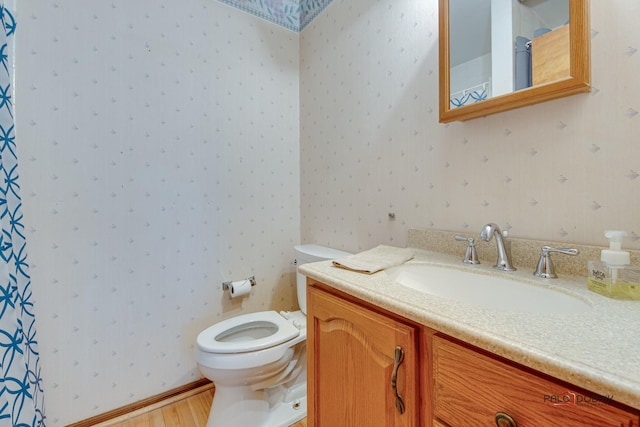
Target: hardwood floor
191	411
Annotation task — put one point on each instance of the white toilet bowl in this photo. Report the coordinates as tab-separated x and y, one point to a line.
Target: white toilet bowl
251	359
258	361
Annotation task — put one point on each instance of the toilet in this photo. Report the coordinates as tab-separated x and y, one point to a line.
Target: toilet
258	361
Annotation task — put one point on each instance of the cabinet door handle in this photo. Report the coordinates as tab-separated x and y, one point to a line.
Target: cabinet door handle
398	358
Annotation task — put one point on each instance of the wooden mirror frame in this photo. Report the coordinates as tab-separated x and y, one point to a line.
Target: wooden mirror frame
578	81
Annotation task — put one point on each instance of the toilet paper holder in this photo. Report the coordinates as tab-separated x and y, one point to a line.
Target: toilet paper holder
226	285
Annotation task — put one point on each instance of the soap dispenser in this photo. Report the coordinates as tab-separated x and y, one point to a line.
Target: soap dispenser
613	276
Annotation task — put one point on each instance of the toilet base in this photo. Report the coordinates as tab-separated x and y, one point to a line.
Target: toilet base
242	406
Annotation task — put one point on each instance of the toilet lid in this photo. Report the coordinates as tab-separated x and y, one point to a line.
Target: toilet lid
247	332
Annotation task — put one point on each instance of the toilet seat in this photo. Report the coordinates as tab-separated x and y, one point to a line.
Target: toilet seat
247	333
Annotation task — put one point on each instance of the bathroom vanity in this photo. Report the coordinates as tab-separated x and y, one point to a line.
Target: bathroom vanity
382	354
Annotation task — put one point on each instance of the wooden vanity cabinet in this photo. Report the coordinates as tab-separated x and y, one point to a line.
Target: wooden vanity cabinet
443	382
474	388
352	365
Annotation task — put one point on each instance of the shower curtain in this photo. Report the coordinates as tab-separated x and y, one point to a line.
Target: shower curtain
21	397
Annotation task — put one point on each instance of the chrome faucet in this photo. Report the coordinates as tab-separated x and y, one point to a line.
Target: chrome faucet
504	255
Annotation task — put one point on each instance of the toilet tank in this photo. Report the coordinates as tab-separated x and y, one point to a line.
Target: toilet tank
311	253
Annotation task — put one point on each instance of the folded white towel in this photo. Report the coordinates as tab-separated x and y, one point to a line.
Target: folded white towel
375	259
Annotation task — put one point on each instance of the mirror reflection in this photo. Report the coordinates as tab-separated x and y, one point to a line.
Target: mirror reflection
502	46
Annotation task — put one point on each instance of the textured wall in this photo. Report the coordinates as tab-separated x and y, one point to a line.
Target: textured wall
159	151
371	143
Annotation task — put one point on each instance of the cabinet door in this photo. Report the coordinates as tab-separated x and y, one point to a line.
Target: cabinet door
352	360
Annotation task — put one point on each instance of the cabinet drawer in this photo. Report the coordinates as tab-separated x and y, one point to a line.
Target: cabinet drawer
470	388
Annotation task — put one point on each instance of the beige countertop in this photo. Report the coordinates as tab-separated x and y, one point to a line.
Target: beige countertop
598	349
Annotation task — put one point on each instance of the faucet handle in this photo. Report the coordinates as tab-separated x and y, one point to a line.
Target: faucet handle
470	256
545	267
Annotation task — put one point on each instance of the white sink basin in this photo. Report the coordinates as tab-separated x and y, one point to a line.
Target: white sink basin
486	291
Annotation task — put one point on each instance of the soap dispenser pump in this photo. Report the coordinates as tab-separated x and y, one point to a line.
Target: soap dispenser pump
613	276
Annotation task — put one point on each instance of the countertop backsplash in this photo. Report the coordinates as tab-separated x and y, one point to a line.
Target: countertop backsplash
524	252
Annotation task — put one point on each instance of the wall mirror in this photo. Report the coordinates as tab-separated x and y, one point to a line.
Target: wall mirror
496	55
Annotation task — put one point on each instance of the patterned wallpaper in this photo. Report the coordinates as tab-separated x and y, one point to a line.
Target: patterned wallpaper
159	152
291	14
371	143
